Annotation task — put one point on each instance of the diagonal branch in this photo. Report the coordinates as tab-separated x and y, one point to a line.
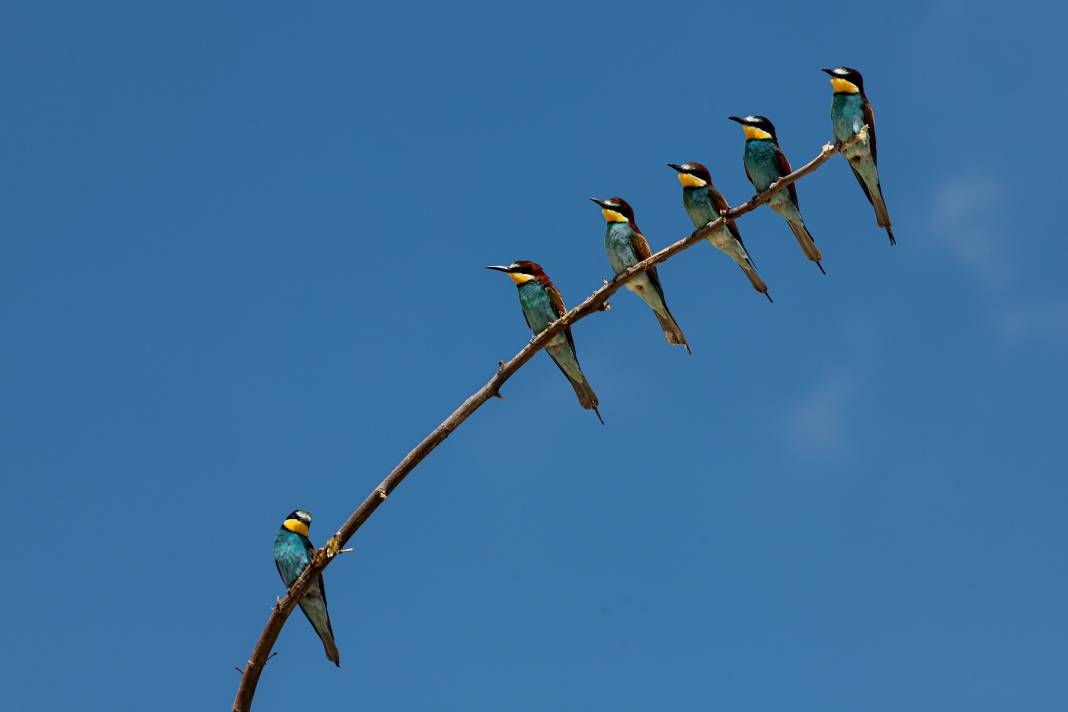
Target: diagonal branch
595	302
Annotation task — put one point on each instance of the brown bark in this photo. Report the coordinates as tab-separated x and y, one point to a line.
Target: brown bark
595	302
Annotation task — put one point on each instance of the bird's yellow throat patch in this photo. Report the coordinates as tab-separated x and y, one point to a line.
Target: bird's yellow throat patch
520	278
755	133
844	86
296	526
689	181
612	215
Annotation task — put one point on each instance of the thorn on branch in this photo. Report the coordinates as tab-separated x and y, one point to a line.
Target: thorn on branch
605	306
382	494
333	546
242	670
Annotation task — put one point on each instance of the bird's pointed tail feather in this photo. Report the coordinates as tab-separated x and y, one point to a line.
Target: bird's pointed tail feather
756	281
564	358
808	245
332	653
875	197
672	330
314	607
586	397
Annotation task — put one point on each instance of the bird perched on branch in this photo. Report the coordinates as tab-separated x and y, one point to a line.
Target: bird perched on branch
704	203
626	247
850	112
765	163
542	305
292	554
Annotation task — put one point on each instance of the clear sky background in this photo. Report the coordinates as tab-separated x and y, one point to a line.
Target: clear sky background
241	251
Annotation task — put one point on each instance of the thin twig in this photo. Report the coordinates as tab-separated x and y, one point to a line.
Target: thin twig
598	301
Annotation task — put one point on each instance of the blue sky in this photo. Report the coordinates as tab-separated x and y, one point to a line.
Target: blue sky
241	273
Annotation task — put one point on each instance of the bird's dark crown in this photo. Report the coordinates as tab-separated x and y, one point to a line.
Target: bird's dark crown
300	515
694	169
757	122
849	74
618	205
523	271
526	267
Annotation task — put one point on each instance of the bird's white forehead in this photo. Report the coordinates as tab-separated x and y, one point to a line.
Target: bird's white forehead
841	71
303	516
751	118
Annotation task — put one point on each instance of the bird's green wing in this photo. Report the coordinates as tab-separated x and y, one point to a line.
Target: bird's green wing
322	592
558	306
718	201
869	119
785	169
721	205
310	549
643	251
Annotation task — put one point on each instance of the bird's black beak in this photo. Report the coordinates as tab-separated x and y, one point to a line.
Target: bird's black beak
676	166
499	268
828	71
737	120
599	202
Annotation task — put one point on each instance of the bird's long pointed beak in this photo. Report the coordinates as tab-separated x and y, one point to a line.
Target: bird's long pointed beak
599	202
676	166
737	119
499	268
828	71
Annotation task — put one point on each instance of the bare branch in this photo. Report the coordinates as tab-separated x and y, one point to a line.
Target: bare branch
596	302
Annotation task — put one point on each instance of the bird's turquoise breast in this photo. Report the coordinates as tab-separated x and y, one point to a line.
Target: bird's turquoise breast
536	305
698	206
617	244
847	115
762	163
290	554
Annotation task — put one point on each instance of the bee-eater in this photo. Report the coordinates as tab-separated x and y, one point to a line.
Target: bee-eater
765	163
542	305
703	203
626	247
292	554
850	111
